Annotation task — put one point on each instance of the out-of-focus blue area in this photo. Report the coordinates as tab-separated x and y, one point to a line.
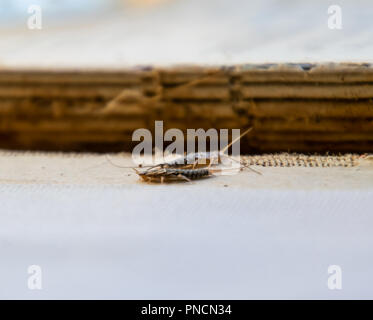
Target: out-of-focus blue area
112	33
15	11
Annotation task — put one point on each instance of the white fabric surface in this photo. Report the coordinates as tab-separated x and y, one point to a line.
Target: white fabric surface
184	242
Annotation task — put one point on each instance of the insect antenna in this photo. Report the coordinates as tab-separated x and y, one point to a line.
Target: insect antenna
123	167
235	140
244	165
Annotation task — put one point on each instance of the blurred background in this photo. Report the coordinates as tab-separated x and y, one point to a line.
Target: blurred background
97	232
126	32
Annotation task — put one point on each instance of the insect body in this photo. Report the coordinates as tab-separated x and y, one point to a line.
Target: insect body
173	174
192	160
191	166
198	159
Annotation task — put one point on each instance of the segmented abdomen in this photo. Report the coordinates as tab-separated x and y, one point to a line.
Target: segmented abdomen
189	173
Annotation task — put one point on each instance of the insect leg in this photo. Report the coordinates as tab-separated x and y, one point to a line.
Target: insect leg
195	163
183	177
